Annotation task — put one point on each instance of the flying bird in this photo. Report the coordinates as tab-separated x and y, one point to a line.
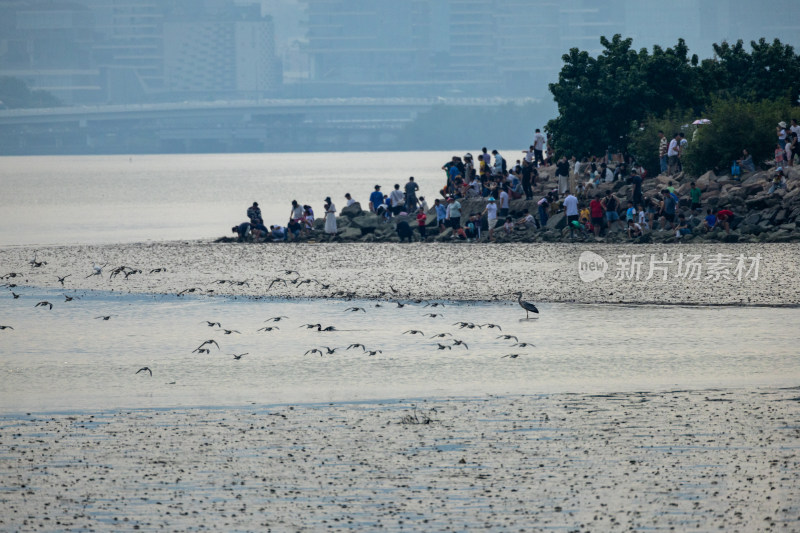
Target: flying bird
354	309
229	331
314	350
276	318
14	294
440	335
329	350
457	342
61	279
44	304
434	304
491	326
104	317
5	327
511	356
527	306
523	344
508	337
311	326
268	328
97	270
145	369
357	346
373	352
414	332
212	324
329	328
202	350
210	341
70	298
433	315
157	270
444	346
238	356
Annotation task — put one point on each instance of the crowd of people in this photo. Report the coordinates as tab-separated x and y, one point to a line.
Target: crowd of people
575	192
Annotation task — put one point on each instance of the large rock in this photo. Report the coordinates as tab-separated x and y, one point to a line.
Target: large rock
557	221
705	180
352	211
350	234
367	222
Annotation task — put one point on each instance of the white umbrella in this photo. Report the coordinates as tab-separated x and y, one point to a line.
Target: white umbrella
701	121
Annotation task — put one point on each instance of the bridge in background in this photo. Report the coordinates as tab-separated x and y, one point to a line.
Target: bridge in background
261	125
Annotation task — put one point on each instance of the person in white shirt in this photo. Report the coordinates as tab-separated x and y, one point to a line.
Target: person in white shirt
571	210
643	219
530	156
672	155
538	147
350	200
497	169
504	201
491	216
398	200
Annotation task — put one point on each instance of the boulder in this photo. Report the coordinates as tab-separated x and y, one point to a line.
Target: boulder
368	222
557	221
705	180
352	211
350	234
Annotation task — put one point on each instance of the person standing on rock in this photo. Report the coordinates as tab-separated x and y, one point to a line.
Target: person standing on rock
673	151
491	216
397	199
376	204
667	210
454	213
297	211
636	181
330	217
504	205
543	206
562	175
411	195
596	211
571	210
694	194
421	219
441	213
663	145
538	147
254	214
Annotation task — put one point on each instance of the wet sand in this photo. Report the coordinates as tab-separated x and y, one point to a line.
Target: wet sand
459	271
679	460
664	460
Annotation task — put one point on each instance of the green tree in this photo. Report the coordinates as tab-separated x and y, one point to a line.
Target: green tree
736	124
600	99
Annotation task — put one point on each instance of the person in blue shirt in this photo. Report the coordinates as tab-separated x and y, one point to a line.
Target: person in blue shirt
441	213
630	213
376	204
710	221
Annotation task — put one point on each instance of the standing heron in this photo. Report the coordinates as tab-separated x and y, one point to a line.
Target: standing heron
527	306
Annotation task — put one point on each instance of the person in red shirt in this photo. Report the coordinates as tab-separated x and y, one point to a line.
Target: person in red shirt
421	218
724	219
597	212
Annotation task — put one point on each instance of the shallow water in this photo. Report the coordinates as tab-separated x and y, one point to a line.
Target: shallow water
66	358
111	199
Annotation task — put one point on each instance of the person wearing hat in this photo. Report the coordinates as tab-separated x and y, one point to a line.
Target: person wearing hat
376	204
491	216
778	180
781	129
254	214
330	217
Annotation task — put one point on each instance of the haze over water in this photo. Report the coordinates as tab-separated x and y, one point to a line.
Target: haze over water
114	199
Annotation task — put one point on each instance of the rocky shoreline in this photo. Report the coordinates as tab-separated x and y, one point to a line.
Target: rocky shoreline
759	216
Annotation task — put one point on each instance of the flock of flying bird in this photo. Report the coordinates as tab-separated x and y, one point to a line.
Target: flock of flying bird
206	346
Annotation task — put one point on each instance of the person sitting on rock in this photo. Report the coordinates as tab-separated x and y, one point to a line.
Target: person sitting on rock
293	229
709	222
526	221
277	233
725	219
683	227
634	229
778	180
746	162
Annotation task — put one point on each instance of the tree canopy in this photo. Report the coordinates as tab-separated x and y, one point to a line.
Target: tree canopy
602	101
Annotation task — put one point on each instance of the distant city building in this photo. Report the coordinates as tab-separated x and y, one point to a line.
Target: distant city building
130	51
505	48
